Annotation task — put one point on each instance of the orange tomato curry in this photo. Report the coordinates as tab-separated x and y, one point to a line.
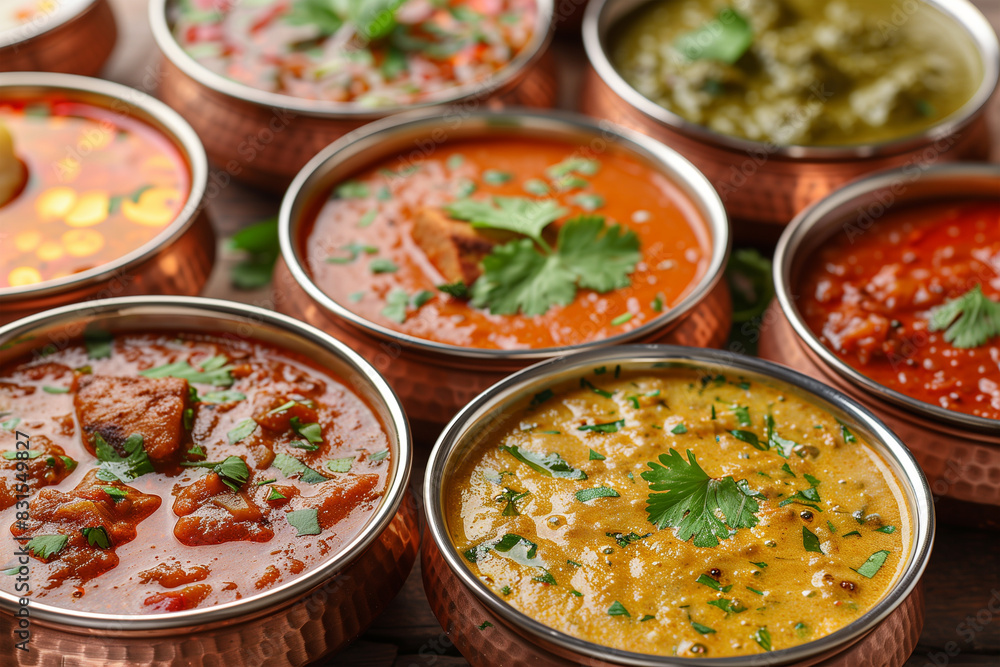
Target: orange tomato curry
164	472
871	298
100	184
389	246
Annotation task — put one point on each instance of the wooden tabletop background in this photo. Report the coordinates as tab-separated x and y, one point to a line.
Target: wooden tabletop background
962	582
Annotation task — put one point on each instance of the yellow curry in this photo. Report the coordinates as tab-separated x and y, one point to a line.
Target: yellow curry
676	513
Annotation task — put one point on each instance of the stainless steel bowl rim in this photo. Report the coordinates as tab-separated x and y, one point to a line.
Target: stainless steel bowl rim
59	17
475	91
813	220
370	135
534	377
962	11
290	591
193	152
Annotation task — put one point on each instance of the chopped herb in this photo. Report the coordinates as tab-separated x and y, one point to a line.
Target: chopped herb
596	456
455	161
853	532
829	524
352	251
691	500
511	496
585	166
302	444
379	456
679	429
634	400
573	563
495	177
713	413
15	454
785	467
241	431
382	265
702	629
759	564
516	214
98	343
340	465
306	522
213	371
969	321
618	609
589	202
352	190
264	482
763	637
505	590
754	590
97	537
289	466
621	319
742	414
706	580
458	290
657	305
55	390
545	578
355	297
550	465
541	397
874	563
117	495
888	530
10	424
422	297
537	186
395	306
274	494
647	617
485	624
133	465
227	396
810	541
312	432
585	495
368	218
781	445
728	606
847	435
585	384
801	629
724	39
749	437
511	546
46	546
607	427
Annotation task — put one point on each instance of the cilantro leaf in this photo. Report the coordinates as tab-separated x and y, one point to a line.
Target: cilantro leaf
46	546
290	466
511	545
316	13
511	496
692	499
227	396
624	539
133	465
516	214
98	343
516	277
706	580
312	432
550	465
702	629
763	638
340	465
459	290
584	495
608	427
776	442
97	537
618	609
596	456
233	471
969	321
725	39
874	563
810	542
728	606
601	257
242	430
306	522
213	371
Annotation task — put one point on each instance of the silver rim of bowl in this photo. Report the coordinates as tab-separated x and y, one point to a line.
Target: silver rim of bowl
147	110
595	30
196	309
472	92
61	16
570	127
492	403
804	233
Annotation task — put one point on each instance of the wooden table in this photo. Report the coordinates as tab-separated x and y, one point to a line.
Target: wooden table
962	581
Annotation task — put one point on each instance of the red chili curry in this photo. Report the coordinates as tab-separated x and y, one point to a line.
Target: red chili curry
508	243
172	472
914	303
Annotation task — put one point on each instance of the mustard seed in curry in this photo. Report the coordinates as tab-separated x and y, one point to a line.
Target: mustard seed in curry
674	513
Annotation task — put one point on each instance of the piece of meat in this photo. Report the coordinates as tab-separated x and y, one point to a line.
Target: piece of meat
212	513
454	247
172	574
43	459
117	407
89	505
339	497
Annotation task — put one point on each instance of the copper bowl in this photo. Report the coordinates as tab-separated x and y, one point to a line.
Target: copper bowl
959	453
293	624
265	138
177	261
764	186
885	635
74	38
435	380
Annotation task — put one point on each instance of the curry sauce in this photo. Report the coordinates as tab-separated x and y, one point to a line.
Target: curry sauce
675	513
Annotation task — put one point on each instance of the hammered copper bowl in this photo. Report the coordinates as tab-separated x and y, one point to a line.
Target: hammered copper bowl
265	138
74	38
293	624
959	453
177	261
764	186
885	635
435	380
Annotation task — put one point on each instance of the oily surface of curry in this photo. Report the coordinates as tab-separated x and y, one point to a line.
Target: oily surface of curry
153	473
550	511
